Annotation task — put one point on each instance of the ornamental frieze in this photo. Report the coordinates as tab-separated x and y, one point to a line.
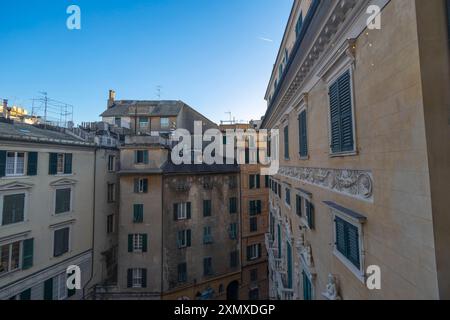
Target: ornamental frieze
354	183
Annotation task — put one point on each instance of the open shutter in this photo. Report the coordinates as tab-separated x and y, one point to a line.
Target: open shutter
335	118
129	278
188	238
68	163
48	289
341	245
258	181
145	185
136	185
53	164
144	278
346	113
130	243
27	254
353	244
144	242
188	210
2	163
32	163
175	211
145	157
251	181
303	134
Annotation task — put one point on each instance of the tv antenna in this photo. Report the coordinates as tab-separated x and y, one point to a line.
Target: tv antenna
158	91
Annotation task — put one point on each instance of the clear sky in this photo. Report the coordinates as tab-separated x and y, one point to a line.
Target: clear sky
216	55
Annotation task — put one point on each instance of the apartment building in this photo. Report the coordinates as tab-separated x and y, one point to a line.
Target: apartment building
254	195
363	116
46	211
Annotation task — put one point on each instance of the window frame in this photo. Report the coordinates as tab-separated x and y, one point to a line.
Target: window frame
111	163
182	211
15	174
137	278
256	251
25	206
69	240
163	125
110	228
111	194
62	187
10	253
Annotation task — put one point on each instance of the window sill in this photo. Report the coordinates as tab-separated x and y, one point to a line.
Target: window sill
359	274
343	154
12	177
15	224
303	158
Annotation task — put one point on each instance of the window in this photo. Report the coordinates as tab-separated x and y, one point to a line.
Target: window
182	211
141	157
307	287
206	208
254	252
10	257
137	242
110	224
207	266
207	237
118	122
253	294
234	259
266	181
286	143
61	242
303	135
111	163
143	122
60	163
253	224
184	239
298	26
137	278
255	207
165	123
287	196
309	214
13	209
341	115
254	181
347	239
111	192
63	200
233	231
138	213
233	205
279	191
182	272
15	163
140	185
254	275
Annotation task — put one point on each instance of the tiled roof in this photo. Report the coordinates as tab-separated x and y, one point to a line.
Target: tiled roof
141	108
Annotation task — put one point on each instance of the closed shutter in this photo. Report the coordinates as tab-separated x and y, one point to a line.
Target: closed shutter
53	164
27	254
310	214
138	213
175	211
251	181
353	244
145	156
130	243
144	278
286	142
68	163
145	185
188	238
48	289
129	278
335	118
144	242
2	163
303	134
249	253
340	236
258	181
32	163
298	205
13	208
188	210
345	103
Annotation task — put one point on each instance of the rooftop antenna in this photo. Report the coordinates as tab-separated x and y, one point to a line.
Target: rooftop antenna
45	106
158	91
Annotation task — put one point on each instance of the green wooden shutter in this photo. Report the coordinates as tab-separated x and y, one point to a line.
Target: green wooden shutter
48	289
130	243
259	250
341	245
188	238
145	156
249	253
175	211
258	181
136	185
311	216
145	187
346	113
286	142
68	163
303	143
252	207
27	254
138	213
144	242
2	163
144	278
53	164
335	118
251	181
298	205
32	163
353	244
129	278
188	210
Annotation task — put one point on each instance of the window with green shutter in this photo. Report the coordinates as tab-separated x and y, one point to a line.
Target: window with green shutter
182	272
63	200
25	295
27	254
341	115
206	208
53	164
298	205
13	209
307	287
233	205
138	213
61	242
310	214
303	139
32	163
68	163
233	229
2	163
347	241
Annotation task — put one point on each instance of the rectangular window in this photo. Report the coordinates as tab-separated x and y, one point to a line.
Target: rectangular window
143	122
253	252
141	157
165	123
286	143
182	272
110	224
60	163
184	239
233	205
303	135
61	242
63	200
111	188
13	209
10	257
307	287
182	211
347	241
137	278
138	241
111	163
254	181
287	196
207	236
233	231
207	266
138	213
298	205
118	122
253	224
309	214
341	115
255	207
206	208
298	26
266	181
15	163
140	185
234	259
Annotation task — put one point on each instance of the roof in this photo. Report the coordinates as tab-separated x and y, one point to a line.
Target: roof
166	108
170	168
30	133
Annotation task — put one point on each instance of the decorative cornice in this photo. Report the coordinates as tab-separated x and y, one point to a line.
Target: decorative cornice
63	182
16	185
354	183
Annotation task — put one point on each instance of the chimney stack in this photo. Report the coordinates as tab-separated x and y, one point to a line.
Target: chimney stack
5	108
111	98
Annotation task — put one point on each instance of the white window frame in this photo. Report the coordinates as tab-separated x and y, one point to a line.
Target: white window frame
182	211
10	256
138	242
141	185
25	210
111	163
69	247
359	273
137	278
256	251
61	187
162	123
182	243
15	174
63	157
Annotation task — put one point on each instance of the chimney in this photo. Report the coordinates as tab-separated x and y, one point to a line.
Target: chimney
5	108
111	98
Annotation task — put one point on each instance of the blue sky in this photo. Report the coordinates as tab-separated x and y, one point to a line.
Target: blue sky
212	54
